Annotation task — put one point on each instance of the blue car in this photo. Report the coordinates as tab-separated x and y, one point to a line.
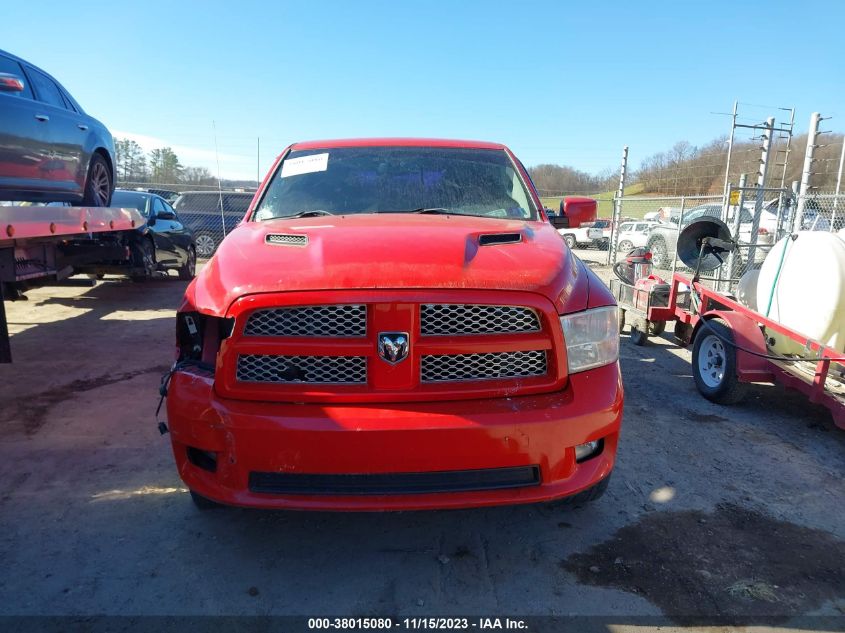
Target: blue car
50	149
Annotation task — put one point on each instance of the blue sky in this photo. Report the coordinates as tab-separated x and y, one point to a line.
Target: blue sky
558	81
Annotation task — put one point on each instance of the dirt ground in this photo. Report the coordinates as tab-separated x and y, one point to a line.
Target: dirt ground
711	511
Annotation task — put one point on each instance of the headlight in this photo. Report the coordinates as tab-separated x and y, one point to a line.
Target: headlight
592	338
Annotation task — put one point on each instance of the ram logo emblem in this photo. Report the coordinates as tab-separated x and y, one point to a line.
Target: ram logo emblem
393	346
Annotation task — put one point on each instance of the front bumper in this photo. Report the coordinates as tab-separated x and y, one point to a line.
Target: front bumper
424	437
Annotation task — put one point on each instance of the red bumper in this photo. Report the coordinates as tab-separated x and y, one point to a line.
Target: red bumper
425	437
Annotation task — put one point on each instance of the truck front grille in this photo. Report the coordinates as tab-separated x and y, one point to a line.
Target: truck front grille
270	368
488	366
319	321
445	319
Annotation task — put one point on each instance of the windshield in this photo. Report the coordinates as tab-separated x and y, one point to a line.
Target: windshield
130	200
395	180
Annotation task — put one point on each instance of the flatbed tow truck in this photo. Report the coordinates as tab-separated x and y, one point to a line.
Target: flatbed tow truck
44	244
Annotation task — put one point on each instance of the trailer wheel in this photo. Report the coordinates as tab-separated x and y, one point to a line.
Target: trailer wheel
714	364
656	328
639	332
621	319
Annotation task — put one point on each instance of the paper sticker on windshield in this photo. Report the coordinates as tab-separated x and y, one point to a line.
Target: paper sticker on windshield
305	165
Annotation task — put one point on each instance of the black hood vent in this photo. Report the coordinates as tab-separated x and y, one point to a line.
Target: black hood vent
280	239
499	238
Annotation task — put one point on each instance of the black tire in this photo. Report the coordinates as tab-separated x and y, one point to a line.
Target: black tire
585	496
656	328
99	185
624	247
714	364
570	241
144	258
621	319
659	253
206	244
204	503
189	268
639	332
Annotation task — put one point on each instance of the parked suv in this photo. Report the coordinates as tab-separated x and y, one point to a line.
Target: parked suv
395	326
211	215
634	235
50	150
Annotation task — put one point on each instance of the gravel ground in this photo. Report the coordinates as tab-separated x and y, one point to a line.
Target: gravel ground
711	511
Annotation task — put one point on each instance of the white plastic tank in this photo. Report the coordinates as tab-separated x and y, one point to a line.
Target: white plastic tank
802	285
746	289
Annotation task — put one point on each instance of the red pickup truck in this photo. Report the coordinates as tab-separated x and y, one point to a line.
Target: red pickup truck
395	325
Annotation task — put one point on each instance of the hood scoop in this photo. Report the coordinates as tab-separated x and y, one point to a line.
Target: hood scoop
492	239
282	239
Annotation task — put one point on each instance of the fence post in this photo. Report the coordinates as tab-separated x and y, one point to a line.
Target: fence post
812	137
680	224
761	184
743	180
838	180
617	208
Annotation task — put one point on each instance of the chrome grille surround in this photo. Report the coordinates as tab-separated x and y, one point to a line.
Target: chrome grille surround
449	319
341	320
334	370
281	239
486	366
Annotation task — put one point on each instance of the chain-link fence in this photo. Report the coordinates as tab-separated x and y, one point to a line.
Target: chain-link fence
756	219
210	212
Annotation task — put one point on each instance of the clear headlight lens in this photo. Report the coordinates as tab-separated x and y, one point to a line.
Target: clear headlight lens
592	338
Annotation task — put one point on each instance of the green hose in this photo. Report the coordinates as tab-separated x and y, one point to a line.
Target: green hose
777	274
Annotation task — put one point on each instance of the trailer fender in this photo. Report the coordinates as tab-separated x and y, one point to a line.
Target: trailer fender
747	336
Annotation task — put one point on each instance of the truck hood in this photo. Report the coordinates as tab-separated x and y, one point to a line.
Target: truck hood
390	251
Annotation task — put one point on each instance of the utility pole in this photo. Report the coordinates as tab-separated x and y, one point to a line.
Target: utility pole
617	207
730	150
812	138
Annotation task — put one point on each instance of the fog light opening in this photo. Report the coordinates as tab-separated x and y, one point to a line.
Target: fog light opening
206	460
583	452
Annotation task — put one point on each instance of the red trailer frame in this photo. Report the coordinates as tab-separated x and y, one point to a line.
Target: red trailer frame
753	357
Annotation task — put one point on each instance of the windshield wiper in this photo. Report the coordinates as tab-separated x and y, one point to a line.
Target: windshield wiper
431	211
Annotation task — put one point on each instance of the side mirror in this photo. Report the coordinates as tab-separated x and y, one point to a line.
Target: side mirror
10	83
578	210
166	215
